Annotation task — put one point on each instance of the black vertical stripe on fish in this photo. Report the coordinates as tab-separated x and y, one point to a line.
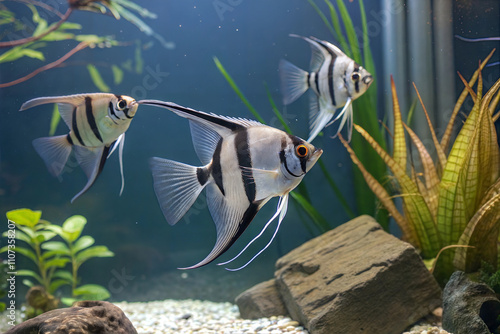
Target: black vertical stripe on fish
316	83
356	83
74	126
213	119
104	157
112	110
202	174
91	118
245	163
217	169
68	138
330	71
119	97
249	214
308	78
125	111
296	141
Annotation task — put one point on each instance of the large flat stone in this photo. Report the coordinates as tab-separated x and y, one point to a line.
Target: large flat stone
356	279
261	301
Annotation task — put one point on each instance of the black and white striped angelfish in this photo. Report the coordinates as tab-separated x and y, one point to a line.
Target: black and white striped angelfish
97	124
335	79
245	164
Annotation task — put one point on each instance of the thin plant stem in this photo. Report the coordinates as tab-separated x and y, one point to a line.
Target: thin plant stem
35	38
56	63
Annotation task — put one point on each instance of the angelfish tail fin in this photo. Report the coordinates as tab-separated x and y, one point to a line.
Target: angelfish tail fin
54	151
177	186
293	81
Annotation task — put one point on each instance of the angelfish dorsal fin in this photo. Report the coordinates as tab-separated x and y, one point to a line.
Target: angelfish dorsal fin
205	140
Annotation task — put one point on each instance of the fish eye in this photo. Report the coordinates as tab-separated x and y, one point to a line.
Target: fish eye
301	151
122	104
355	76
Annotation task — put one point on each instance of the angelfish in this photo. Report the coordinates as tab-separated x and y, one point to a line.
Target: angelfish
335	79
245	164
97	124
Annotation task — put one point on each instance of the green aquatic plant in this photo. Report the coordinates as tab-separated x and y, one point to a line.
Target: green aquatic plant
52	257
364	107
451	204
44	36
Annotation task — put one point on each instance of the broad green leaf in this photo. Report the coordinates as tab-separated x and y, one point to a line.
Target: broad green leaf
57	262
68	301
30	273
54	121
56	284
237	90
482	233
19	52
97	79
24	217
117	74
43	236
64	274
73	226
56	229
23	251
82	243
57	246
95	251
20	235
92	292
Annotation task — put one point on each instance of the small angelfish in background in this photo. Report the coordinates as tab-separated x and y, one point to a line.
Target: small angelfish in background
335	79
97	124
245	164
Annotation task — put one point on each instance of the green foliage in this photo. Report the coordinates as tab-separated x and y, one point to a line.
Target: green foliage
364	107
489	276
3	283
451	206
51	257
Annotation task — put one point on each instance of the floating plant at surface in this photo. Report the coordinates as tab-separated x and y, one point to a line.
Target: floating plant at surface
52	257
364	107
450	207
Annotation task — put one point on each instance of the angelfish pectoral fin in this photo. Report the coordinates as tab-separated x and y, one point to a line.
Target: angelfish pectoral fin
92	161
282	208
346	115
231	219
324	116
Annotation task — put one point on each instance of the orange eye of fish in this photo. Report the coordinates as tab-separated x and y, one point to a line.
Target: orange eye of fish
122	104
301	151
355	76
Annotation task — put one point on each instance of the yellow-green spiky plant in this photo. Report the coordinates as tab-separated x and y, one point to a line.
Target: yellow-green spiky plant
450	207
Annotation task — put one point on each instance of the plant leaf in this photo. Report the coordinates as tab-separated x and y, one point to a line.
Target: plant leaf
97	79
73	226
56	246
54	121
321	222
92	292
23	251
117	74
57	262
82	243
64	274
399	154
56	284
30	273
350	32
24	217
95	251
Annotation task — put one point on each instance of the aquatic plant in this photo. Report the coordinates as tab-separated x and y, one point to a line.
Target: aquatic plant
364	107
51	257
451	206
44	35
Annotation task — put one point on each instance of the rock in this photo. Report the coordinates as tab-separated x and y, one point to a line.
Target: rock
469	307
356	279
261	301
85	317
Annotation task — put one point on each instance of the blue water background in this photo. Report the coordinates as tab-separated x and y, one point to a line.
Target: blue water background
249	39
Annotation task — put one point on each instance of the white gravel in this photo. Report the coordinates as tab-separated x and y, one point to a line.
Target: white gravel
194	316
